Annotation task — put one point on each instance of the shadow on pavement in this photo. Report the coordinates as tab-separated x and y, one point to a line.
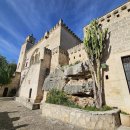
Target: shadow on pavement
6	123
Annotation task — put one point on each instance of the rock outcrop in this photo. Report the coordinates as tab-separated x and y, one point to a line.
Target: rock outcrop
80	69
80	89
55	80
75	80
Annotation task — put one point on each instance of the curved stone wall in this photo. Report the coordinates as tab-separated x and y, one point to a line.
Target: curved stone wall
108	120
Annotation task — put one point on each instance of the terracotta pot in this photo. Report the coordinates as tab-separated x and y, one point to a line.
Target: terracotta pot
125	119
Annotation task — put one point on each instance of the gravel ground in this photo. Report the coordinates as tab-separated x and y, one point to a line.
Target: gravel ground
14	116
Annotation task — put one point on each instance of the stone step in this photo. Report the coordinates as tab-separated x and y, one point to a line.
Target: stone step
123	128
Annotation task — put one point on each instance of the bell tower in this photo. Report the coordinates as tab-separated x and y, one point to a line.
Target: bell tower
29	42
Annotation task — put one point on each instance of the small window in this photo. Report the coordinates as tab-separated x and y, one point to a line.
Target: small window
107	77
108	20
74	57
117	15
30	92
79	55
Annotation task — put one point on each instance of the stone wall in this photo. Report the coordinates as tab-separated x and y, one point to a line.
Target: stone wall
1	91
29	82
44	71
68	38
77	54
13	85
116	88
59	58
33	75
108	120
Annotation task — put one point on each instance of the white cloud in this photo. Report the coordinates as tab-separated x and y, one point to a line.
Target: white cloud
10	30
6	46
27	12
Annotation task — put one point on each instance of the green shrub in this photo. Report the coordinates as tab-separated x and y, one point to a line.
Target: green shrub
56	97
60	98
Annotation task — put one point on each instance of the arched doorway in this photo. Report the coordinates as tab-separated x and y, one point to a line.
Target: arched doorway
5	92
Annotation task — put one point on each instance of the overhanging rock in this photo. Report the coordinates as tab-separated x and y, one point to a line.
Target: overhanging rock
85	88
77	69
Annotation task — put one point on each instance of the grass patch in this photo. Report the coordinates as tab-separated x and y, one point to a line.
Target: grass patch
104	108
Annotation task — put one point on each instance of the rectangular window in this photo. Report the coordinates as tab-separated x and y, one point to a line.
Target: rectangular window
26	64
126	66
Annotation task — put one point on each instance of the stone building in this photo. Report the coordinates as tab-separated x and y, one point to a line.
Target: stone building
60	47
36	61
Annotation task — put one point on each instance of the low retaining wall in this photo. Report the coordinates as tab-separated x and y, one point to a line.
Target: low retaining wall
26	103
108	120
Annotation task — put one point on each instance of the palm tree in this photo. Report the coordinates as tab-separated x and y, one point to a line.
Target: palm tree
95	44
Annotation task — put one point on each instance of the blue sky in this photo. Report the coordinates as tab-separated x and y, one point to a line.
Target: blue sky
19	18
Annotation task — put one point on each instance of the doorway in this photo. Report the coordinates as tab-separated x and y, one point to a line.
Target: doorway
126	66
5	92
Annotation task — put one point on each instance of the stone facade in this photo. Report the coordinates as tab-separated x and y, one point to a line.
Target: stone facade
60	47
117	93
36	61
77	54
11	88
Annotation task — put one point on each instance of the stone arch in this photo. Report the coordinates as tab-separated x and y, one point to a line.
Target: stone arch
35	57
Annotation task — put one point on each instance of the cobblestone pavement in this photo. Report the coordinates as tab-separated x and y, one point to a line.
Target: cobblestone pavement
14	116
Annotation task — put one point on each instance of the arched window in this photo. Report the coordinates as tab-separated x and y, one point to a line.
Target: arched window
35	57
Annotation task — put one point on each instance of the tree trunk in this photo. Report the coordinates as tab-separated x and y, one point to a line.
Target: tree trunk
99	86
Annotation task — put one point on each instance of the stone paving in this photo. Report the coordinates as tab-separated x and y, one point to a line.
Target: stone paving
14	116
